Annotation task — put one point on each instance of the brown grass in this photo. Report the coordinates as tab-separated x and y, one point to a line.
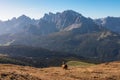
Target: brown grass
107	71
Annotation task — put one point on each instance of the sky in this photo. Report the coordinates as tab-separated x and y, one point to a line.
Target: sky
37	8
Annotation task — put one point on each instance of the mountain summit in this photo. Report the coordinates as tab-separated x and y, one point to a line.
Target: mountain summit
66	21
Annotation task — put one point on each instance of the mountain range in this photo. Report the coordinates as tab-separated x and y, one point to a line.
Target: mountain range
65	21
67	32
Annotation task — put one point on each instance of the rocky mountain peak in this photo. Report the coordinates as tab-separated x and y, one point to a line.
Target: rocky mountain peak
24	18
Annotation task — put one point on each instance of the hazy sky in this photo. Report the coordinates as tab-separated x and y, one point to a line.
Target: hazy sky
37	8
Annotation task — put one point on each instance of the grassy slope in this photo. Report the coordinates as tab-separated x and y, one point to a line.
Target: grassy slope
79	63
109	71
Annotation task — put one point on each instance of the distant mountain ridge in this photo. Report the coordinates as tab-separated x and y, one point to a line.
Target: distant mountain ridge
15	25
50	23
111	23
68	32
